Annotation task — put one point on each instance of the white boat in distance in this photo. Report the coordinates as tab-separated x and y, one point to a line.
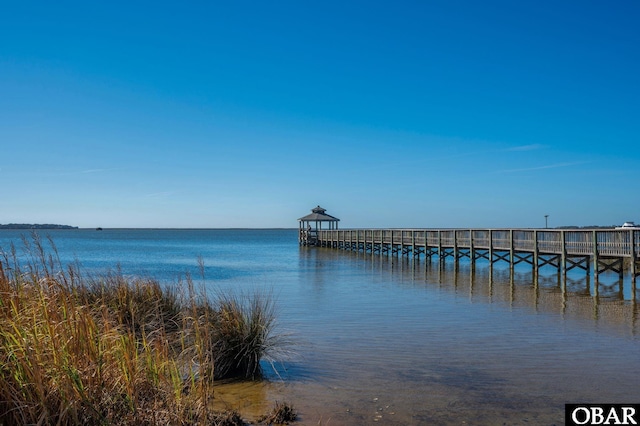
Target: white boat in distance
628	225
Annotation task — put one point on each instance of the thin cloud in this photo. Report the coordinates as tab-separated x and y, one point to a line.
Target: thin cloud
548	166
94	171
83	172
160	194
531	147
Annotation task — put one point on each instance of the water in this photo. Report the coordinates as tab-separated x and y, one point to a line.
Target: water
384	340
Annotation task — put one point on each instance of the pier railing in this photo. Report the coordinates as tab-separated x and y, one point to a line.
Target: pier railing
564	248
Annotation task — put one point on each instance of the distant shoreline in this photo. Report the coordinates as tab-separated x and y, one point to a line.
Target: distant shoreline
35	226
49	226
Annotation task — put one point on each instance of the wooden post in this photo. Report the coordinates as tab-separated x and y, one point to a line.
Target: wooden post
596	261
425	234
440	246
413	242
372	241
455	249
563	260
633	271
490	247
511	250
472	255
535	252
632	236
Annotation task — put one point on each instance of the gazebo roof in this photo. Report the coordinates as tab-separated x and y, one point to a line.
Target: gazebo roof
318	215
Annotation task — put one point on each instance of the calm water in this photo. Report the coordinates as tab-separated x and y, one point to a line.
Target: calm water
384	340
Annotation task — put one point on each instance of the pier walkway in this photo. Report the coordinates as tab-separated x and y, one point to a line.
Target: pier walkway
602	250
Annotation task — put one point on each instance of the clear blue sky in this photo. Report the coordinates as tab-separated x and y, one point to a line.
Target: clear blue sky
388	114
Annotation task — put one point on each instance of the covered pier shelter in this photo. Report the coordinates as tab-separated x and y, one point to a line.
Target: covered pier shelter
312	223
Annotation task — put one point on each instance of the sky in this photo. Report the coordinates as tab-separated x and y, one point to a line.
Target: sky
403	114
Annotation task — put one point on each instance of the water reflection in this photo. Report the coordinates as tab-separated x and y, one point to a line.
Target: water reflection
609	299
394	340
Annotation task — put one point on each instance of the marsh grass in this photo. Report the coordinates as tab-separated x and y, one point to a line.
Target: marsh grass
243	335
107	350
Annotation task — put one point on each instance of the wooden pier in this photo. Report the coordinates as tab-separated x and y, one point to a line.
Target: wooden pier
588	249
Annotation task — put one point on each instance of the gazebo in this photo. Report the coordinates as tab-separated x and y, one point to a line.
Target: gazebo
312	223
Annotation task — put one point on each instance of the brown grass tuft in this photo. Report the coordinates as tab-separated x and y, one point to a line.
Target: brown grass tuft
282	414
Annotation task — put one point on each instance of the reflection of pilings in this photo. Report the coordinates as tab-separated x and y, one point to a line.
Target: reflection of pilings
565	293
512	288
608	300
472	276
535	290
611	303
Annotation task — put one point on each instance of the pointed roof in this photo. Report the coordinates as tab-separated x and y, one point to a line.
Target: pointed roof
318	215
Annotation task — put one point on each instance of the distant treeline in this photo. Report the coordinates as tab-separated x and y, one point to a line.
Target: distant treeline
35	226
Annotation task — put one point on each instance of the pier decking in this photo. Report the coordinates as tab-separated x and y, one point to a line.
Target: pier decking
602	250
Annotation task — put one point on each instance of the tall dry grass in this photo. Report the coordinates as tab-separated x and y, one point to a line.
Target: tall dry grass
109	350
